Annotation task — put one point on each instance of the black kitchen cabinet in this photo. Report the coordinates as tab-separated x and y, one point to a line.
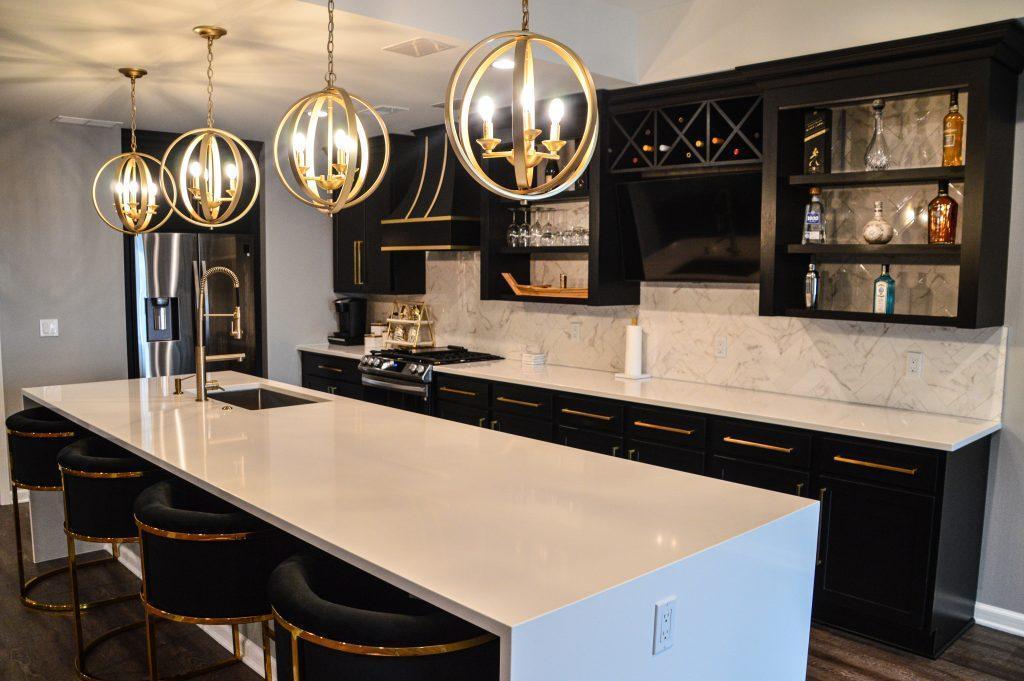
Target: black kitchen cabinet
359	264
535	429
592	441
666	456
463	414
774	478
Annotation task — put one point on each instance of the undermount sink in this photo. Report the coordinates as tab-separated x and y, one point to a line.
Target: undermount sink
259	398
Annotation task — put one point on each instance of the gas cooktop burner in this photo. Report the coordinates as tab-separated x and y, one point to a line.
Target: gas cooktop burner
453	354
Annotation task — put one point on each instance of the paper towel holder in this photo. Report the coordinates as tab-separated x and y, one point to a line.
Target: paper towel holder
634	377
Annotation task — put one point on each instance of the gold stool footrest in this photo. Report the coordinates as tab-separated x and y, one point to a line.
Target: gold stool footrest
32	583
87	649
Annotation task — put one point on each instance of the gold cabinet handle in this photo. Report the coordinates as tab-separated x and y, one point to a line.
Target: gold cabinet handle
758	445
872	464
329	368
632	455
495	425
821	500
615	451
456	391
587	414
799	488
482	422
521	403
357	262
667	429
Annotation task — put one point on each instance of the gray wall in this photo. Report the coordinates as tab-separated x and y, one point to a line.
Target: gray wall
1002	565
57	260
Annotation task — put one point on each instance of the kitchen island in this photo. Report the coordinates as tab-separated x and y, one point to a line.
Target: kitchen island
560	552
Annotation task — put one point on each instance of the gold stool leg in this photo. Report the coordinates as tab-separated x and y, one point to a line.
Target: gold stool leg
268	673
76	611
295	656
17	543
151	646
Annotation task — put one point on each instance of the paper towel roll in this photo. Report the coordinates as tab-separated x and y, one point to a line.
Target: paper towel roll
633	366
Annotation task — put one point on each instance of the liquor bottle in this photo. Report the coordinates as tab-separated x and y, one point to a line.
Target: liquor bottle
953	134
817	141
877	156
885	293
942	214
812	285
814	219
878	230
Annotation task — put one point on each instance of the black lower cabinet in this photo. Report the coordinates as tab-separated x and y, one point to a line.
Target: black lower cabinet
463	414
592	441
352	390
666	456
535	429
774	478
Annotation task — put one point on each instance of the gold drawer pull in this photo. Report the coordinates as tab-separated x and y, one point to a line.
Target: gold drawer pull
327	368
456	391
872	464
587	414
667	429
521	403
759	445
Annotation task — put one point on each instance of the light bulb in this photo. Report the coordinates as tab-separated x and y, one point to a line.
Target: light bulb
231	170
485	107
504	64
133	186
152	191
344	141
528	105
119	188
556	110
194	169
298	142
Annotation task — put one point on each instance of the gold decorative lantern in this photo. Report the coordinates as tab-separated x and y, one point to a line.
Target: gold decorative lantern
211	187
134	192
524	154
326	151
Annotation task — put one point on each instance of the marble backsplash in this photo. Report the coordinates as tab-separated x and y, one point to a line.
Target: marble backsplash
846	361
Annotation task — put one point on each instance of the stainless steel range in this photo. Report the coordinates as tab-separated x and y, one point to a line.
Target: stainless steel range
403	378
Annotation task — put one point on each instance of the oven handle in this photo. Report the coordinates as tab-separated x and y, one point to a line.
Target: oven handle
399	387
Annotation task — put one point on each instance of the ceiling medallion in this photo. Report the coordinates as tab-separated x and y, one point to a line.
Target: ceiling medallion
212	188
326	150
524	154
133	191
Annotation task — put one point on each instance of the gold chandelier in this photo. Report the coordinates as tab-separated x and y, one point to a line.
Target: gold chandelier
524	154
134	192
211	189
326	149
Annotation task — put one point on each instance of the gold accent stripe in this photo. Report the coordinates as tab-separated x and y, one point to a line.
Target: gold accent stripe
758	445
382	651
440	179
134	539
153	610
19	433
109	476
430	247
455	391
36	488
872	464
193	536
423	177
667	429
521	403
432	218
587	414
330	368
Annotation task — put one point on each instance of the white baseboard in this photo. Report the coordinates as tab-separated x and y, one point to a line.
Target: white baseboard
999	618
252	651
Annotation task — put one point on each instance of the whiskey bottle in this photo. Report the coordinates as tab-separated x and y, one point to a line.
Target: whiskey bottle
953	134
942	214
814	219
812	285
885	293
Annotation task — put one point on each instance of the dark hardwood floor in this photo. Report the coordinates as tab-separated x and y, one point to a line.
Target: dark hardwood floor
39	646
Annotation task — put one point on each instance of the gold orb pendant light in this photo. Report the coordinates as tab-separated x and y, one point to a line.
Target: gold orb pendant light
133	191
213	171
321	150
524	154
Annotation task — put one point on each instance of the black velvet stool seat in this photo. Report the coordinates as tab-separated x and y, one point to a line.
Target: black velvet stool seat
346	624
101	481
204	562
34	439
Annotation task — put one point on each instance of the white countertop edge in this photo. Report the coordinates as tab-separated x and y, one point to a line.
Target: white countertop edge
478	370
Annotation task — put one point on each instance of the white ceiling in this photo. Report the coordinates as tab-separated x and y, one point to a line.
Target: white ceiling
59	57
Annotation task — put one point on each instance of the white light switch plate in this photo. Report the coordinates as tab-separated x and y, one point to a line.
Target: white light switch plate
664	624
915	364
721	346
575	331
48	327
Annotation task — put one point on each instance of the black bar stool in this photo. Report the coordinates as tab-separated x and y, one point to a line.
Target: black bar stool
204	562
34	439
101	481
346	624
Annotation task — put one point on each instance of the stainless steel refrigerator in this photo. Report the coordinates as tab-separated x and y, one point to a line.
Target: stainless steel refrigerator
164	273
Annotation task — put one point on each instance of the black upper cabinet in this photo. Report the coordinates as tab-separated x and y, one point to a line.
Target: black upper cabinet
359	264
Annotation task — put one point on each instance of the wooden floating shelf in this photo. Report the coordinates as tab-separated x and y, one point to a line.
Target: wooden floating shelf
874	178
528	291
880	253
510	297
838	315
515	250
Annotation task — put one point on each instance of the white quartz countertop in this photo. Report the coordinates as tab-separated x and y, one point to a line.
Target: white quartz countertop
899	426
492	527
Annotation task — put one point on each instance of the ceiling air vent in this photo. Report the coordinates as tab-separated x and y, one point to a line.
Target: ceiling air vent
88	122
389	109
418	47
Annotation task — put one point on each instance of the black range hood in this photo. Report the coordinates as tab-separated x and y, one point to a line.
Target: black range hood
441	211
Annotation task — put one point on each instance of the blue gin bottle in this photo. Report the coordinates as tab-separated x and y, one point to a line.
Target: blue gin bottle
885	293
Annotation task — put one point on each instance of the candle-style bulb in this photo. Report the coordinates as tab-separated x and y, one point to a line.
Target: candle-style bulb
231	171
344	141
485	107
194	169
298	142
556	110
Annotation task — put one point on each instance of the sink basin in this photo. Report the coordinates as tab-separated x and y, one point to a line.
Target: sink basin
258	398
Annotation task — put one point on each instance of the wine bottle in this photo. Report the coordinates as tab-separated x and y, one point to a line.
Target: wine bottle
953	134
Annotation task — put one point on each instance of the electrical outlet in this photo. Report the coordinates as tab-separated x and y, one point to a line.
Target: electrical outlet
915	364
664	624
575	331
48	327
721	346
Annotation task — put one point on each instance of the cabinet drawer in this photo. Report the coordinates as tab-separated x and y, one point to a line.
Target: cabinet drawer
463	414
864	460
465	391
664	425
334	368
759	475
658	454
767	444
590	414
601	443
522	400
326	385
535	429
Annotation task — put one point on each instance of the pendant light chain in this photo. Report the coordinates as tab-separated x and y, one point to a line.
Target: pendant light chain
209	82
132	118
330	44
526	15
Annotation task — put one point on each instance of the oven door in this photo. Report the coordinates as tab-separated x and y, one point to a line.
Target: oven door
396	393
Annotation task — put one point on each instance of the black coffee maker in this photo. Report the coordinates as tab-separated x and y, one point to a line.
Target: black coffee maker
351	321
